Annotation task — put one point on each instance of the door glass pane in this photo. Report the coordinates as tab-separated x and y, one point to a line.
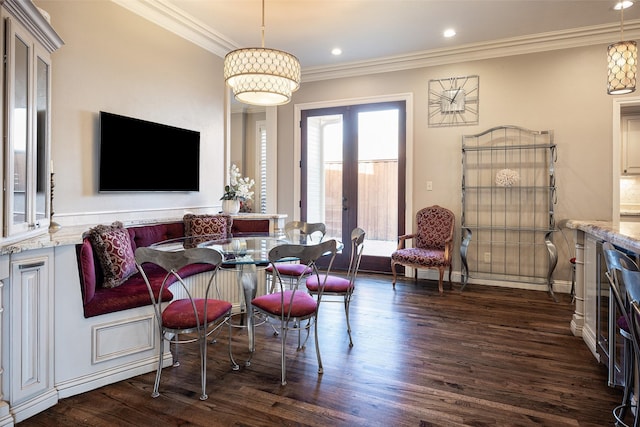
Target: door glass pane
378	180
20	132
333	169
42	101
324	172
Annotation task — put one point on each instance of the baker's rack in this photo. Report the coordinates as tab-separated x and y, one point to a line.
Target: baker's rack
508	199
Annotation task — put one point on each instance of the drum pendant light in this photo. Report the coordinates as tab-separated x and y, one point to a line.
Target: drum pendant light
261	76
622	58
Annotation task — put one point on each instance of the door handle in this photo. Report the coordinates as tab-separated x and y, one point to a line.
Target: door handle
344	203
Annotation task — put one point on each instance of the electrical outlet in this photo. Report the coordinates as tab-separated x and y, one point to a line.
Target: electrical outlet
487	257
429	185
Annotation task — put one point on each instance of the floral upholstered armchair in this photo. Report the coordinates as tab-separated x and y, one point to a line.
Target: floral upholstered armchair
433	243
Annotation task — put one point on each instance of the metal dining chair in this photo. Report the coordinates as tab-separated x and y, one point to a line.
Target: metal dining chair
195	318
631	278
294	305
618	267
342	286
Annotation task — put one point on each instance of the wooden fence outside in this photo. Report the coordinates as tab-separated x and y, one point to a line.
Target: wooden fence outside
377	198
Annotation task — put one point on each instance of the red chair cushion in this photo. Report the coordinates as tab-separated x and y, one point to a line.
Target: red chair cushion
622	324
334	284
180	315
303	303
417	256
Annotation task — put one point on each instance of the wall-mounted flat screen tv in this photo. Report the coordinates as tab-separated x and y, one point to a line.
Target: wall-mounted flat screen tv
138	155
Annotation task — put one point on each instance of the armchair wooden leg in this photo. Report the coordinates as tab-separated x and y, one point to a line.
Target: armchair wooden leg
393	270
441	271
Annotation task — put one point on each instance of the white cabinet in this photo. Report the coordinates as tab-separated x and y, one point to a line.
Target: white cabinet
29	42
26	278
29	365
630	150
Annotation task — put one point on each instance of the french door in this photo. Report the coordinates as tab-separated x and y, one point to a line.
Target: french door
352	175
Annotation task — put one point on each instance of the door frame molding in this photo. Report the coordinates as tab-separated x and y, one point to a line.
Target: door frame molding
616	157
298	108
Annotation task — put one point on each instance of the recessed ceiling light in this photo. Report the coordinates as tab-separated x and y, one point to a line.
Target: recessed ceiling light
449	32
623	4
336	51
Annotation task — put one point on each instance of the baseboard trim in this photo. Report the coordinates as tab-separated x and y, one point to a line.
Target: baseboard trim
110	376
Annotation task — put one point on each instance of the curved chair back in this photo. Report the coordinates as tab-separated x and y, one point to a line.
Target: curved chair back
299	231
174	261
632	281
357	247
306	254
617	262
434	227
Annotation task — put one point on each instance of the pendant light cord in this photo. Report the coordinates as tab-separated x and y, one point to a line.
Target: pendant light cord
263	23
621	22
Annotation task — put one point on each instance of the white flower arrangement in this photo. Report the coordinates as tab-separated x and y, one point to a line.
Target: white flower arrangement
239	187
507	178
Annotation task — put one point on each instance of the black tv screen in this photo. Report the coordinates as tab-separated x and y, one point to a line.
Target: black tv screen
138	155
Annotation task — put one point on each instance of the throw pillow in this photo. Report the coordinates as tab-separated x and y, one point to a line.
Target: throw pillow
207	225
112	246
211	226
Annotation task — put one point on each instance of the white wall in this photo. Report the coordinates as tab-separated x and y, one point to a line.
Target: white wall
563	90
115	61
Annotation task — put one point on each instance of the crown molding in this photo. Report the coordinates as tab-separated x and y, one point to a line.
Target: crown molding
586	36
34	19
173	19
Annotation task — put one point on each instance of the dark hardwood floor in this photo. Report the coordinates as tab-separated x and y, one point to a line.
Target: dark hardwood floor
488	356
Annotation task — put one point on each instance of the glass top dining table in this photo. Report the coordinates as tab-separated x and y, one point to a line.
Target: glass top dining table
244	249
245	253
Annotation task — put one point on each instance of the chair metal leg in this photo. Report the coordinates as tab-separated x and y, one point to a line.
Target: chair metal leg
283	366
202	343
347	302
315	333
234	365
620	411
156	384
176	346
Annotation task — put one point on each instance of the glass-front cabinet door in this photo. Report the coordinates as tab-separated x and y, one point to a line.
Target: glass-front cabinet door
27	183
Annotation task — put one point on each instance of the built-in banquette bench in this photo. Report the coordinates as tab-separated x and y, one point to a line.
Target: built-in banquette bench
93	258
108	278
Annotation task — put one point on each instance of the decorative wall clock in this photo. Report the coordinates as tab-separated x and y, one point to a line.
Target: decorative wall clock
454	101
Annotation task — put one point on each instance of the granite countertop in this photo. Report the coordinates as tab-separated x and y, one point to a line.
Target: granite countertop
623	234
64	236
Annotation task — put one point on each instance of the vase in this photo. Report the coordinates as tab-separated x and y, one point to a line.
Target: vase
231	207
